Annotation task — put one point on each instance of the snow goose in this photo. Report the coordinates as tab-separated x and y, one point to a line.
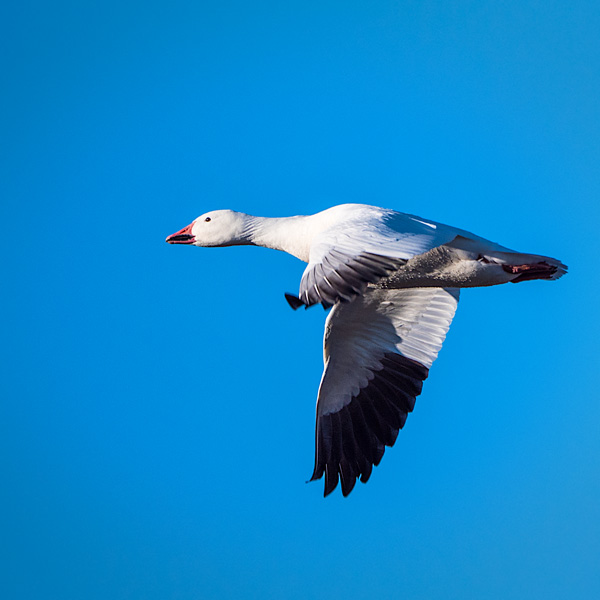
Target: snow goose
393	281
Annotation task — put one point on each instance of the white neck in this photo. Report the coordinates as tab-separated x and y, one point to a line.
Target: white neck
290	234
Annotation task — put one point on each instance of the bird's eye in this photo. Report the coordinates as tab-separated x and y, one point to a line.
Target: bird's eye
207	219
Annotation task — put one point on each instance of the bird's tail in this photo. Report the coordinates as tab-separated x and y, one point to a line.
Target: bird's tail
526	267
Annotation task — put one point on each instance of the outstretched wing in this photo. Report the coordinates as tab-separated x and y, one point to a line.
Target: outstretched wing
377	351
344	260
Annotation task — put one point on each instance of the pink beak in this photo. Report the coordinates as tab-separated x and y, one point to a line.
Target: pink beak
184	236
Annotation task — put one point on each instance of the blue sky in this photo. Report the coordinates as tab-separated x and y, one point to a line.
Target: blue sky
157	412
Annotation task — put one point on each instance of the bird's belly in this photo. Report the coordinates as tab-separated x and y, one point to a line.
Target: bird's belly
447	267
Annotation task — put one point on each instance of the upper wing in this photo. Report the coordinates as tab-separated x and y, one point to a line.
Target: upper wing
344	259
377	351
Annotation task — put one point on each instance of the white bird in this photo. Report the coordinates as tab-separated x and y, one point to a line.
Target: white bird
393	281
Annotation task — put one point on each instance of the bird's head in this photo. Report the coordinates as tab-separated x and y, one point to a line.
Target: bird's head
215	228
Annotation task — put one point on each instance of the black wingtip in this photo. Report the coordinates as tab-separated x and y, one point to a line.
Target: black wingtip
294	301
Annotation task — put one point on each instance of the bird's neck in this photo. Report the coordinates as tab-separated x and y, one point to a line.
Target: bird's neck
290	234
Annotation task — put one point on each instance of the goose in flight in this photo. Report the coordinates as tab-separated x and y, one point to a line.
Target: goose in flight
392	281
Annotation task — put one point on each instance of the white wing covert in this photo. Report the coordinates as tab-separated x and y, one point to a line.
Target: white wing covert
377	352
344	260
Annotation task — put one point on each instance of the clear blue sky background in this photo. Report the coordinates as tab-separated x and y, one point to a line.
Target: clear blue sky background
157	402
